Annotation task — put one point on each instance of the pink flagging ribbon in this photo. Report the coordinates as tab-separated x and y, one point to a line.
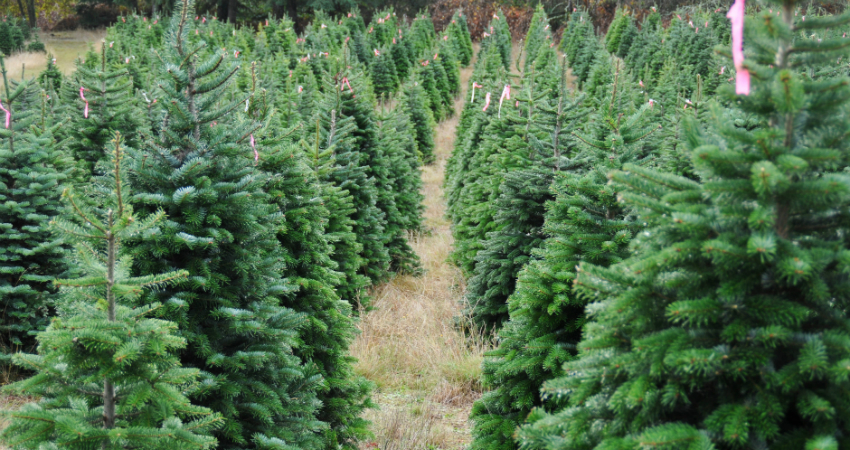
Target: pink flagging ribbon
742	77
474	87
486	102
256	153
345	83
377	53
300	89
85	111
506	94
8	115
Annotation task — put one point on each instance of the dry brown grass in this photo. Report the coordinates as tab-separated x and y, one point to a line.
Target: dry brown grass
7	403
428	370
65	46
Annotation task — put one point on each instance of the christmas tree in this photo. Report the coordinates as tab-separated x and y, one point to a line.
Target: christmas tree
416	101
51	77
362	168
383	73
397	139
107	375
325	338
32	172
726	329
331	141
585	222
7	43
104	104
222	228
509	225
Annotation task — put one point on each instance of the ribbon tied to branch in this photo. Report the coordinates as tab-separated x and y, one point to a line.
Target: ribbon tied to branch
742	77
82	96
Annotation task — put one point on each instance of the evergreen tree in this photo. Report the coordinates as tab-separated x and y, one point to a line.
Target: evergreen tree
727	328
614	36
461	40
536	36
103	104
585	222
330	329
415	99
523	169
7	45
221	228
106	374
383	73
51	77
401	58
362	167
32	172
397	140
332	141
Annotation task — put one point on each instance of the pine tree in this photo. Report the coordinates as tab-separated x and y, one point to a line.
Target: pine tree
32	173
383	73
726	329
416	101
362	167
585	222
338	178
7	44
537	35
325	338
522	169
614	36
397	140
461	40
221	228
104	104
106	374
51	77
401	58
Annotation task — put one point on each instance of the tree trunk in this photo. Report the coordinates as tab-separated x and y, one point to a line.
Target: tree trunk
108	388
31	13
232	7
21	7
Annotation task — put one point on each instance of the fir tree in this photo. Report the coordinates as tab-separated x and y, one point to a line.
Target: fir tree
523	168
397	140
107	374
51	77
585	222
401	58
726	329
32	172
416	101
221	228
103	104
383	73
362	168
7	44
324	340
332	139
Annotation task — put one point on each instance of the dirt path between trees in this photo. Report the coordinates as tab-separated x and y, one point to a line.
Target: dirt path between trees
426	371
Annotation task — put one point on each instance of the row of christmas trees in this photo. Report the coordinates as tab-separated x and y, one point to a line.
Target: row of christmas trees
663	260
212	204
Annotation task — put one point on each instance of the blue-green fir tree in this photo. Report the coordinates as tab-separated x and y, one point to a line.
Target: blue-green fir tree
33	170
107	374
221	227
727	327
